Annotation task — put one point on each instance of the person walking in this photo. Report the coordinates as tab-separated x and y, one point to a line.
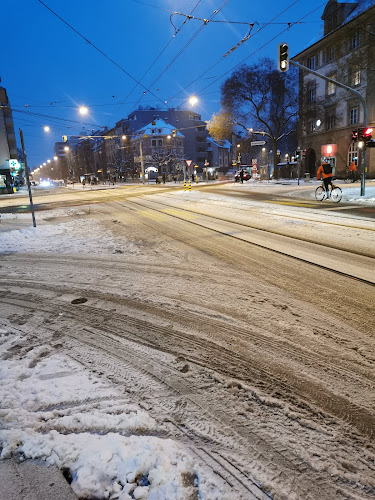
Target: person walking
241	176
353	171
325	171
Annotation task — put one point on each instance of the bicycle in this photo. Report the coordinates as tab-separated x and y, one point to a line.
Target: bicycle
335	192
349	179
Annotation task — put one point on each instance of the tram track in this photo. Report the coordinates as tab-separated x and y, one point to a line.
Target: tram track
150	205
198	422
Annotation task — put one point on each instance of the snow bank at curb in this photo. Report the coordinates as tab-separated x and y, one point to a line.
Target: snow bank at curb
76	236
55	410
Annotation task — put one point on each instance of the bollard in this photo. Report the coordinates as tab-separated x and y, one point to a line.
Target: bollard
184	184
189	185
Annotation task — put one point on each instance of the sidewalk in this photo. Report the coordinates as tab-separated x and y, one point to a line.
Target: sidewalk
32	480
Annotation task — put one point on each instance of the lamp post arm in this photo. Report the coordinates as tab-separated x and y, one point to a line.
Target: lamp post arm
356	93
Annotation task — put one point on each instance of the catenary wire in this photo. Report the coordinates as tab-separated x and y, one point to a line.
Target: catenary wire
221	59
100	51
223	4
161	53
252	54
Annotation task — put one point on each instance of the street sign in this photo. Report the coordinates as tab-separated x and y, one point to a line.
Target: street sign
14	164
189	162
258	143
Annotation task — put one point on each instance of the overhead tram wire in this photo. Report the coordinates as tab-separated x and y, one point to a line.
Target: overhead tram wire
162	51
49	117
252	54
222	58
101	52
224	3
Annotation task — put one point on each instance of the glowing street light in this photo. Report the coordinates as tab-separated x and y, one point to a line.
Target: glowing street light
55	158
193	100
44	164
46	128
123	137
66	148
83	110
48	161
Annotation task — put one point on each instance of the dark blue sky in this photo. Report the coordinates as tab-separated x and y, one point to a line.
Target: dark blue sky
47	69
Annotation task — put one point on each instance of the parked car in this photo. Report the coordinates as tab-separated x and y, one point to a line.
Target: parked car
246	176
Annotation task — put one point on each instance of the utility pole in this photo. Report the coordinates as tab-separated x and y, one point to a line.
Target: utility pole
27	178
364	104
142	165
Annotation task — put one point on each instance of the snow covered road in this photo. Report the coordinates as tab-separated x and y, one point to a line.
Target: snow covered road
195	365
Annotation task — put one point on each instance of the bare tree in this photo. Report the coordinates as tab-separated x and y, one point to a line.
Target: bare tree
262	101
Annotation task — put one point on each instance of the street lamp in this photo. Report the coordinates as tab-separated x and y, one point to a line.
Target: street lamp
193	100
46	128
48	161
83	110
55	158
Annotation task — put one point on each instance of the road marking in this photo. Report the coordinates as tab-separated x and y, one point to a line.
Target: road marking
292	203
180	213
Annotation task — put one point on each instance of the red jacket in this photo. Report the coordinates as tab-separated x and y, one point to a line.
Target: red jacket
321	172
352	167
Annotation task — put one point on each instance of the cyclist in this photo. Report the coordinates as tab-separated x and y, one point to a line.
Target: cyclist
325	170
353	171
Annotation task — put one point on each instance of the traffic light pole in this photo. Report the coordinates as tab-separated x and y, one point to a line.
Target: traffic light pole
27	178
364	104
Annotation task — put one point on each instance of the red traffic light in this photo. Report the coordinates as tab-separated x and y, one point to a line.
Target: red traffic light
354	135
367	132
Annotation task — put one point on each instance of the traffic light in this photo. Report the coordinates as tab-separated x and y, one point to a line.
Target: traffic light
283	57
354	135
365	134
297	154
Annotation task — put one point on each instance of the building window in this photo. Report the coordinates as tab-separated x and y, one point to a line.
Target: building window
201	129
191	117
331	87
312	94
353	154
354	115
159	130
196	117
329	54
310	126
354	42
153	143
160	142
330	121
152	131
356	78
311	62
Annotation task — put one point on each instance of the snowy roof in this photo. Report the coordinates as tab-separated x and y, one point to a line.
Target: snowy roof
362	6
158	127
222	144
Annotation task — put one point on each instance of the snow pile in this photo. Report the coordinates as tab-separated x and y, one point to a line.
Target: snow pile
76	236
55	410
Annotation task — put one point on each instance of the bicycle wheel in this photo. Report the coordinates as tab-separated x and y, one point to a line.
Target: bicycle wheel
320	193
336	194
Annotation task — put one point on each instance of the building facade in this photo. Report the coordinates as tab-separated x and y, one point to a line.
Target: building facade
187	122
8	146
160	146
328	113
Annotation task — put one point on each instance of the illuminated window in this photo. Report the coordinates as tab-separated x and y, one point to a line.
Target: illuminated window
331	87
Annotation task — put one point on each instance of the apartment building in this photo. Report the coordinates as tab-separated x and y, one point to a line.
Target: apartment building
328	114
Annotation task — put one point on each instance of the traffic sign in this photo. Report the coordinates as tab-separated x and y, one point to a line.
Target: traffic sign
189	162
258	143
14	164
